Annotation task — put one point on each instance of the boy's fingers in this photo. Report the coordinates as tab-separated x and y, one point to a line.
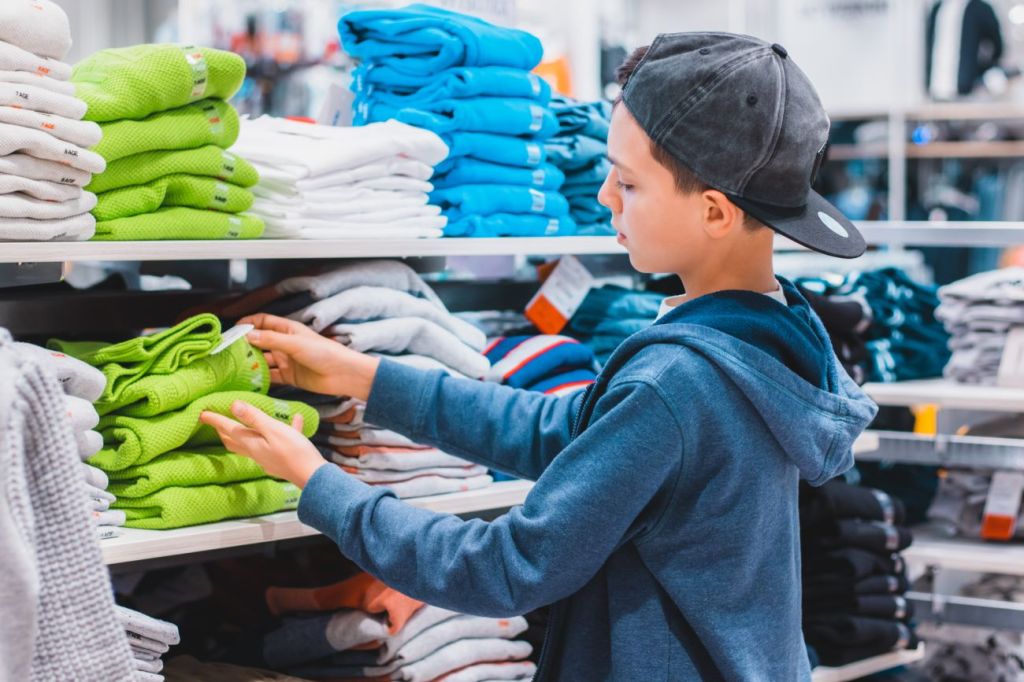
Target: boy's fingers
275	341
253	417
298	422
224	426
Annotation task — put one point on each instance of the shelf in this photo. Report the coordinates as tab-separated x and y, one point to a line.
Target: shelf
942	450
966	111
141	545
960	554
948	394
942	233
869	666
850	152
967	150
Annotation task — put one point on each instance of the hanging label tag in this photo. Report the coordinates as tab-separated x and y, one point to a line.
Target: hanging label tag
535	84
291	495
200	71
228	164
220	195
560	296
538	202
231	336
213	118
1002	505
534	154
539	177
1011	366
234	227
536	118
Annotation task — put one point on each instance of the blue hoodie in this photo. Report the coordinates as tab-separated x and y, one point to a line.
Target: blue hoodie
663	526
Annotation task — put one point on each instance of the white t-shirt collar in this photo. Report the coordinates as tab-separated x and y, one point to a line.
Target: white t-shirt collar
673	301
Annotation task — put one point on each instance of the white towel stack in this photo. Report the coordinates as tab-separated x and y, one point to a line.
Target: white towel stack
150	639
979	312
323	182
44	156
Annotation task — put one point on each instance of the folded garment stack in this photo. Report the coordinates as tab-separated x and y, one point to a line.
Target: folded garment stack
854	578
149	638
168	174
323	182
580	150
470	82
45	161
360	629
165	468
979	312
549	364
611	313
898	328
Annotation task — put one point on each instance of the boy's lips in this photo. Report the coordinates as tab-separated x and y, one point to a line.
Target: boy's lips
620	237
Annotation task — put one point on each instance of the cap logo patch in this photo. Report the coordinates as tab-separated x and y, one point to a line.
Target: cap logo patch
832	224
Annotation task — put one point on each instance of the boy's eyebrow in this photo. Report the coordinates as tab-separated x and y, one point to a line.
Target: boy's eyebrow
617	164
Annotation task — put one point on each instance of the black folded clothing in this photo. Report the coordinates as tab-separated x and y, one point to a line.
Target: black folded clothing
889	607
874	536
839	500
841	639
872	585
847	566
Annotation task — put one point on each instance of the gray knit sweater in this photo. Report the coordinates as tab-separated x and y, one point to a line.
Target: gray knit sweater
56	606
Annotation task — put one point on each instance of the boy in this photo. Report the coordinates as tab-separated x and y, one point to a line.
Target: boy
663	526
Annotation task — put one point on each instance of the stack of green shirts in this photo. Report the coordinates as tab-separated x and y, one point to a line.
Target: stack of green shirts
166	129
166	468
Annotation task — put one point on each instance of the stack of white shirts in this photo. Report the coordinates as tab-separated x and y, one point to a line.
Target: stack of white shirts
83	385
150	639
980	312
324	182
44	156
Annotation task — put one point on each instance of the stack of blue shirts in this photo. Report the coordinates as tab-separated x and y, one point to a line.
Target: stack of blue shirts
549	364
580	150
470	82
610	314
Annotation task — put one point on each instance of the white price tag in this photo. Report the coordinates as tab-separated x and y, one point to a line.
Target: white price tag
1011	366
560	296
1002	505
231	336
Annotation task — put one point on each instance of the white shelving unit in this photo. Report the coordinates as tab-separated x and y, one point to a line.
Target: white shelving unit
960	554
947	394
868	666
144	545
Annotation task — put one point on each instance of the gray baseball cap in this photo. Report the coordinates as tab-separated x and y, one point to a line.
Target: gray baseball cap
746	120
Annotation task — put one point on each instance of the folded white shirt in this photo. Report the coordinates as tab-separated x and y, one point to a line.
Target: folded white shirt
76	377
39	80
344	436
94	477
39	26
454	630
40	189
403	461
35	98
305	150
19	139
147	626
17	205
89	443
422	362
455	656
494	672
383	476
40	169
342	211
14	58
278	186
1004	285
392	274
79	228
397	166
81	133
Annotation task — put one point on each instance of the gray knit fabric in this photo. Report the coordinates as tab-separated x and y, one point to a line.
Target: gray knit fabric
64	620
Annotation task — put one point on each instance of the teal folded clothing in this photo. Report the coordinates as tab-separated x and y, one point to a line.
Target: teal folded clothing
498	115
591	174
422	40
503	149
574	152
469	171
582	118
467	200
388	85
511	225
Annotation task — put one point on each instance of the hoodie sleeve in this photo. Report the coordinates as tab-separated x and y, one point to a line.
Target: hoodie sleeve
515	431
533	555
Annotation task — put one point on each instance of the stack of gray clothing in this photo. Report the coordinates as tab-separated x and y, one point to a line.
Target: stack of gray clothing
83	385
150	639
59	619
979	312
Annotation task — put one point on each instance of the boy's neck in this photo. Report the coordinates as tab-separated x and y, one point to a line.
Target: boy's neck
747	276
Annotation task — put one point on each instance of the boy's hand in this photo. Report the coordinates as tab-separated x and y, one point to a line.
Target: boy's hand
280	449
298	356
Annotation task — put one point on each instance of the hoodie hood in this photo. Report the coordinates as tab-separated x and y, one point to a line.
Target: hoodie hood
781	359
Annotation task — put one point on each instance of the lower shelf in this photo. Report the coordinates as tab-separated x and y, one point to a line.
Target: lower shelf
868	666
960	554
141	545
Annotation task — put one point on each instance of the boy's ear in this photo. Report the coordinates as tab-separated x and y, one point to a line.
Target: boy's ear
720	215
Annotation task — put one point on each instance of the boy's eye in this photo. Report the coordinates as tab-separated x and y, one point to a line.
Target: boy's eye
622	185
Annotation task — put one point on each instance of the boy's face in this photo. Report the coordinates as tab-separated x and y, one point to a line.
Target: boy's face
660	226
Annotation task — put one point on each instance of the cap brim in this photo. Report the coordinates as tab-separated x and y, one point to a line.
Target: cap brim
818	225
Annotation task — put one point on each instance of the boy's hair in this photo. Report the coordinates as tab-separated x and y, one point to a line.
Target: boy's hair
687	181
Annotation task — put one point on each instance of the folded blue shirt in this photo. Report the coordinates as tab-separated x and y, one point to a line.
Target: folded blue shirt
501	115
466	200
424	40
504	149
473	171
511	225
559	382
603	229
594	174
521	361
582	118
394	87
571	192
574	152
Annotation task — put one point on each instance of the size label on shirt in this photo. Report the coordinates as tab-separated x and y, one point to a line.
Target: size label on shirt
200	71
560	296
1011	366
1002	505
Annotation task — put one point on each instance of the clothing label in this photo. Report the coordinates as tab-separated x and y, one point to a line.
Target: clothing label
552	228
536	118
535	84
888	508
892	536
220	195
291	495
539	176
228	164
538	202
234	227
1002	505
337	108
213	118
200	71
233	335
533	153
560	295
1011	366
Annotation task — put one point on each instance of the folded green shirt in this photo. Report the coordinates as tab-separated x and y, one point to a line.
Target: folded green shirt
210	121
210	161
184	469
180	223
239	367
134	82
131	441
129	361
194	191
177	507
